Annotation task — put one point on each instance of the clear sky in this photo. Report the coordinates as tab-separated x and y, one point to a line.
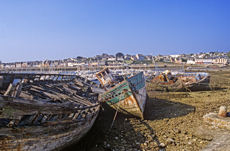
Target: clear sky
58	29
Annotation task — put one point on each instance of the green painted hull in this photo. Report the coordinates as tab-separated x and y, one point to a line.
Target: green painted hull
128	97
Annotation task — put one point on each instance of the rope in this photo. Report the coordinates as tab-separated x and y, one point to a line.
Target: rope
116	111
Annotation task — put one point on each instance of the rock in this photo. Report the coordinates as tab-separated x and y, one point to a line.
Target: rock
162	145
202	134
194	140
184	132
152	144
132	138
223	111
149	138
170	141
176	130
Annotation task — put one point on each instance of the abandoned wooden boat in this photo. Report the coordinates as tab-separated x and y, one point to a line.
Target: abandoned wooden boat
127	96
44	111
196	81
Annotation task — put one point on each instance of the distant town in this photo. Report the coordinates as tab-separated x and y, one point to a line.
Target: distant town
124	60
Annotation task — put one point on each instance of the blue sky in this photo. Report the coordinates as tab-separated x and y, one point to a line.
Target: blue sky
58	29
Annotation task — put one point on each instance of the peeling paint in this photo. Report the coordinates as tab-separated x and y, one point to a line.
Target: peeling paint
129	95
60	113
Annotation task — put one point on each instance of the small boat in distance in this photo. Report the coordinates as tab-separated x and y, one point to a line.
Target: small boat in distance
166	81
128	96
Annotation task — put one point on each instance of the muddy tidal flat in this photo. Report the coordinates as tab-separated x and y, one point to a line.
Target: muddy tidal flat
173	122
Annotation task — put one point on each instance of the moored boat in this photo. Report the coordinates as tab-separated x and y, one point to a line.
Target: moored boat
128	95
44	111
166	81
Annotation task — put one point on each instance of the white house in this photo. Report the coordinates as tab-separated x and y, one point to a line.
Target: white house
120	58
111	58
190	60
175	56
203	60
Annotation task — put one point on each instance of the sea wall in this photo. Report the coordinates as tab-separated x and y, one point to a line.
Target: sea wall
212	120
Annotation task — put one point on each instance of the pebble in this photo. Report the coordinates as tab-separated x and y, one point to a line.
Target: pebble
162	145
170	141
176	130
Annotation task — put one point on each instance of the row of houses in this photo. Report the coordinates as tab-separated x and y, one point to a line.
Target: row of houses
208	60
123	57
48	63
105	59
98	60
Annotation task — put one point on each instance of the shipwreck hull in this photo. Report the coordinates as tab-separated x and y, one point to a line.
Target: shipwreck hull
128	97
37	141
183	84
201	85
45	111
127	106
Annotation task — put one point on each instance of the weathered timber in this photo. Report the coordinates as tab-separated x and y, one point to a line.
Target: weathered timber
18	90
196	81
26	95
8	89
40	111
127	96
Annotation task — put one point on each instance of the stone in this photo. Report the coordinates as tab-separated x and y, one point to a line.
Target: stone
170	141
202	134
176	130
153	144
210	119
184	132
223	111
194	140
162	145
149	138
223	122
222	126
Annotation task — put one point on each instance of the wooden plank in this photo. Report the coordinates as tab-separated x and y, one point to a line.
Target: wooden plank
18	90
74	87
55	97
85	102
1	81
26	95
97	90
8	89
38	88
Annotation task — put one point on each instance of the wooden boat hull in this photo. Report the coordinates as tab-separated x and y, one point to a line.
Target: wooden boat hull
180	85
128	97
44	111
42	138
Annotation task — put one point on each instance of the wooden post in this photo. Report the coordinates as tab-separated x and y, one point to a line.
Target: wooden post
223	111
